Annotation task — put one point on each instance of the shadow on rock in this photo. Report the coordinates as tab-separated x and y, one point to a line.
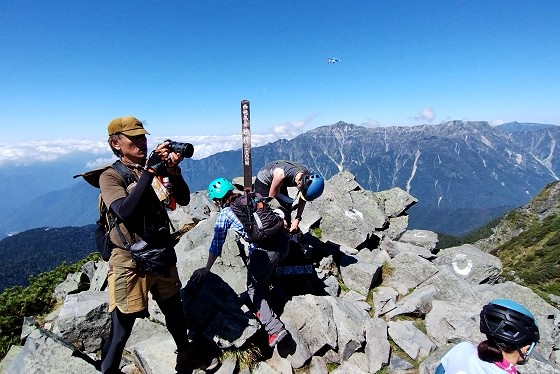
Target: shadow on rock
213	310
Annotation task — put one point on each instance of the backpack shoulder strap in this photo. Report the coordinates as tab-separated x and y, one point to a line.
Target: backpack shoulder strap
127	175
129	178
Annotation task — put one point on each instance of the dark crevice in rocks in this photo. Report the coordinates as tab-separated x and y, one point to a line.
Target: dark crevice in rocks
372	242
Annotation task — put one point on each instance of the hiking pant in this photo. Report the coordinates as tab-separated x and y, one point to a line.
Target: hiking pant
262	263
121	328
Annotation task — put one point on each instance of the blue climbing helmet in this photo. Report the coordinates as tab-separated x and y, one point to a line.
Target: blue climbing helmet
312	186
218	188
509	322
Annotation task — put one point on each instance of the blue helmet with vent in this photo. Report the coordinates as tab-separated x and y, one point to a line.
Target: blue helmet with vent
506	321
312	186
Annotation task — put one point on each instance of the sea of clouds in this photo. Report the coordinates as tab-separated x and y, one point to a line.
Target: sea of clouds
45	151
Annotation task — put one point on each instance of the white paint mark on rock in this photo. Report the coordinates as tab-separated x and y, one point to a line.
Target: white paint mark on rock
461	264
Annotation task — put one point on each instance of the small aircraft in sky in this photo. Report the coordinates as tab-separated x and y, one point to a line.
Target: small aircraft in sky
332	60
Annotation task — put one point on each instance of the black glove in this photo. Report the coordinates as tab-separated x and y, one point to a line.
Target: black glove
156	163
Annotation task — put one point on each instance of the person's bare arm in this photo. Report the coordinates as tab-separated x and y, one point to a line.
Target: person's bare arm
277	180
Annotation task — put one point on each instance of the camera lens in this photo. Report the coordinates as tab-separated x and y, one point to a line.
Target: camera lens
184	149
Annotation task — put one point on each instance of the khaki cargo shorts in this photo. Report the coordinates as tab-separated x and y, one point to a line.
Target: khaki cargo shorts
128	288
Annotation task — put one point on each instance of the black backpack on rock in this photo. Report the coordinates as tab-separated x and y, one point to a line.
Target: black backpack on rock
259	220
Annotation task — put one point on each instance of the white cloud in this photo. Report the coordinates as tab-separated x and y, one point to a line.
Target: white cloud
205	146
291	129
427	114
497	122
100	162
31	152
370	123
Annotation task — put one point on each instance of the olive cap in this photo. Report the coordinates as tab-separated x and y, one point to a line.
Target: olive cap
127	125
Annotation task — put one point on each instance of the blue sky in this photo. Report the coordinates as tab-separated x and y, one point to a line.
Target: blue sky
67	68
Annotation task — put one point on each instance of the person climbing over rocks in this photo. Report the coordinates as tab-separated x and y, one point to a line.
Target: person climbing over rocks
262	260
273	181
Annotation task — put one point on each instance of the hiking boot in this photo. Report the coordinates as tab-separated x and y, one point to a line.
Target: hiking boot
190	359
275	338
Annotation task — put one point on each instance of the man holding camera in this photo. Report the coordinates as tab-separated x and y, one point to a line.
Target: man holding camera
142	221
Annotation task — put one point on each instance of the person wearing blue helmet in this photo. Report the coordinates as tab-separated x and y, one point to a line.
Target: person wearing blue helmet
262	260
511	331
273	181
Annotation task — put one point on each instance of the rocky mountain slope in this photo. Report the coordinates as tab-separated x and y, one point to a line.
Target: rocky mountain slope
523	126
440	164
527	240
362	294
546	205
542	145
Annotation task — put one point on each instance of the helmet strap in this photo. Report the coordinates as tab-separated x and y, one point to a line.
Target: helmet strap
223	202
525	356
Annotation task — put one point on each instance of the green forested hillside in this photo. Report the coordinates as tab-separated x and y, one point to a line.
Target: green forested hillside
533	257
447	241
526	240
39	250
35	300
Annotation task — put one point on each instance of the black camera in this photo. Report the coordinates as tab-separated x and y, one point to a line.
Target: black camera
184	149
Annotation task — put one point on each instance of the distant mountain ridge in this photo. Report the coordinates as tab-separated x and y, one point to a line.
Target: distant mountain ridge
457	165
524	126
463	173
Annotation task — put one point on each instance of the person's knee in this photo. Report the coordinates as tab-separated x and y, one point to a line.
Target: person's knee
122	324
171	304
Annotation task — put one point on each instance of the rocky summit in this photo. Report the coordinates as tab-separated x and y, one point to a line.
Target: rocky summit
359	293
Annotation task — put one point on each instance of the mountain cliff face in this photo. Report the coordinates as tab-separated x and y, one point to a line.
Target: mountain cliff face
542	145
458	166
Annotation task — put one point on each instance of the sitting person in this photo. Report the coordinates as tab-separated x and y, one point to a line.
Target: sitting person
512	333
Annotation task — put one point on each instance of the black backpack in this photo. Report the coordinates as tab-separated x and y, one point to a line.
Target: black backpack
259	220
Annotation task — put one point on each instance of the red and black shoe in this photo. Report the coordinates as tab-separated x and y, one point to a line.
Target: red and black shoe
275	338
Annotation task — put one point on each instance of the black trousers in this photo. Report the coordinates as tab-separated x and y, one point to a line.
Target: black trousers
121	328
